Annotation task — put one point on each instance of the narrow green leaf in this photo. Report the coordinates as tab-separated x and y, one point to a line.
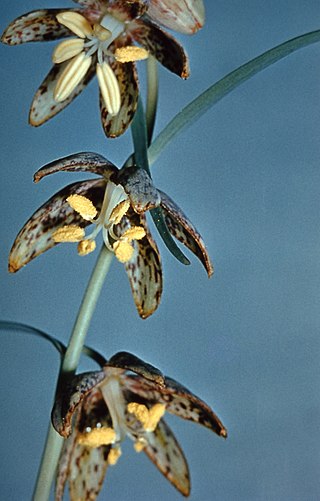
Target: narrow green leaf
139	136
60	347
220	89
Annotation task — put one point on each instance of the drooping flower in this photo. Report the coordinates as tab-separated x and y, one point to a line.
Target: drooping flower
104	34
96	411
115	203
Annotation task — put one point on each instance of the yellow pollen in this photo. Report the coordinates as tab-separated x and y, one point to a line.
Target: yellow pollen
101	33
130	53
114	455
70	233
97	437
134	233
149	418
139	445
86	246
83	206
119	211
123	250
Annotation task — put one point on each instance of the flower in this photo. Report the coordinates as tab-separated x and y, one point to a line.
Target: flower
95	411
103	36
115	203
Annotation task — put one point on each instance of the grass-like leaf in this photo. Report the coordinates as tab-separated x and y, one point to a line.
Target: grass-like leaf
194	110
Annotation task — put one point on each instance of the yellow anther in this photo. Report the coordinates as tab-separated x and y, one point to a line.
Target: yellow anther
71	233
97	437
86	246
123	250
67	49
130	53
83	206
139	445
119	211
114	455
101	33
140	411
71	76
149	418
75	22
134	233
155	414
109	87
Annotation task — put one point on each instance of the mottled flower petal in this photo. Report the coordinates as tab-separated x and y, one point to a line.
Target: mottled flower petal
165	452
36	26
44	106
128	362
161	45
182	229
89	4
126	75
88	467
144	272
139	188
79	162
69	395
178	400
129	9
36	235
63	466
185	16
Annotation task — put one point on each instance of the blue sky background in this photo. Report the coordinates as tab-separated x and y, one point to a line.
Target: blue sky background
246	341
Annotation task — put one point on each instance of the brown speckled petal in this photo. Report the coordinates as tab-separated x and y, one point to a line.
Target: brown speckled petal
144	271
129	362
178	400
139	187
127	77
88	467
185	16
90	4
165	452
182	229
183	403
79	162
70	394
63	466
36	235
36	26
128	9
161	45
44	106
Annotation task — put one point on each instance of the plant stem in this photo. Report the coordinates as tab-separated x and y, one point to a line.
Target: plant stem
152	95
69	365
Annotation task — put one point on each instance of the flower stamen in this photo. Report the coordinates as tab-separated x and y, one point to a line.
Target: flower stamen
71	233
76	23
97	437
86	246
109	87
83	206
130	54
71	76
114	455
149	418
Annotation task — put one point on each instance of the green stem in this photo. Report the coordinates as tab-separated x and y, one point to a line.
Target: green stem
152	95
69	365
